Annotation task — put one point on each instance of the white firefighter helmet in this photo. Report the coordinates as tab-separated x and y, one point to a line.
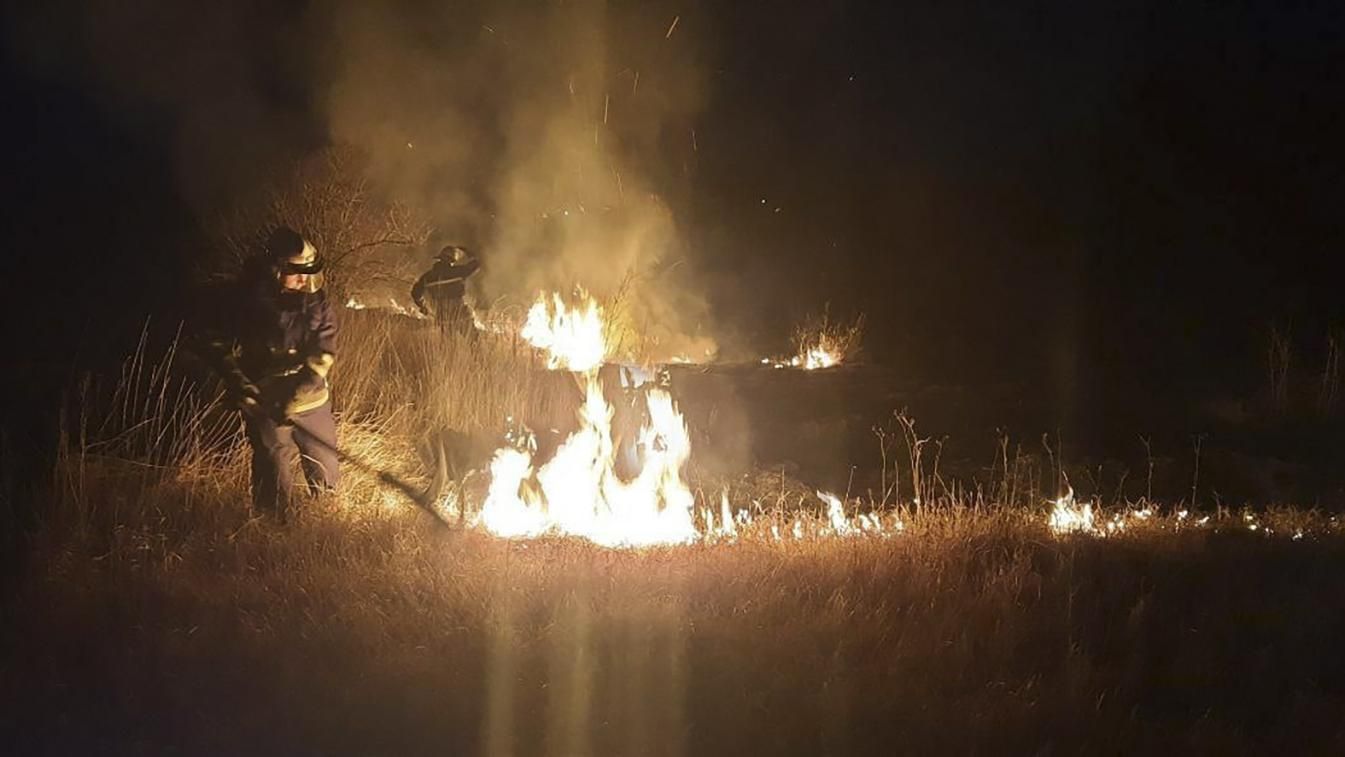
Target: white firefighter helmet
454	254
294	255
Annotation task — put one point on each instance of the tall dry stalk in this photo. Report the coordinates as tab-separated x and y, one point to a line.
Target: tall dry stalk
1329	386
915	452
1279	356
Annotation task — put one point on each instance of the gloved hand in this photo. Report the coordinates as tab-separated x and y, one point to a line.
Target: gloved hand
309	391
244	394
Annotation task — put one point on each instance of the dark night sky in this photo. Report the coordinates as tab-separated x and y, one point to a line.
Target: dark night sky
1096	197
1128	185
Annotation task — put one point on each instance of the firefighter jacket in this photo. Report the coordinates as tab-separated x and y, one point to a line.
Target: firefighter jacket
289	342
277	344
445	280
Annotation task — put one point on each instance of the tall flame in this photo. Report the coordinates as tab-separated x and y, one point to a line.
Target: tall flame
578	492
571	337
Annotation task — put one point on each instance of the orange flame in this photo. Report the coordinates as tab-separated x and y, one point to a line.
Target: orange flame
578	491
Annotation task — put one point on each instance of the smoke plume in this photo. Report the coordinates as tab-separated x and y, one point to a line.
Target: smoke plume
555	139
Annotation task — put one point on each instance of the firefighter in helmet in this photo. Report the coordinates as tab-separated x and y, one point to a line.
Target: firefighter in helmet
275	357
444	285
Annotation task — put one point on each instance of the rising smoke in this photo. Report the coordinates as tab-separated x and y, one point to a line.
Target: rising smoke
557	138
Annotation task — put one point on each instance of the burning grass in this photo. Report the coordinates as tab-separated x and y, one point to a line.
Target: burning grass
821	341
158	616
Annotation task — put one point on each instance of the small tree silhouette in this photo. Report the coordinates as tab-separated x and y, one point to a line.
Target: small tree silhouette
365	236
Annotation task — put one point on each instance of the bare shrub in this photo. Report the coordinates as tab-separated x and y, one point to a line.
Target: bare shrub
367	238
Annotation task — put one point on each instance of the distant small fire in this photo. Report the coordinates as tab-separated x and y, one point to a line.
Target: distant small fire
810	360
1070	517
822	342
386	303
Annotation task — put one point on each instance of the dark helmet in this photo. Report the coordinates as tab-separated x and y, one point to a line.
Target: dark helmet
291	254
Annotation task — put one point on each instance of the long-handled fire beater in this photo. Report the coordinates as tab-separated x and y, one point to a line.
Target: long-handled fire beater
423	498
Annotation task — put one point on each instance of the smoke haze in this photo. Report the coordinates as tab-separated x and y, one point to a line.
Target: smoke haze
554	139
541	135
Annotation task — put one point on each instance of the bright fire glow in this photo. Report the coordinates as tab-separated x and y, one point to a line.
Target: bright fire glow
1068	517
578	492
815	358
810	359
571	337
836	514
392	304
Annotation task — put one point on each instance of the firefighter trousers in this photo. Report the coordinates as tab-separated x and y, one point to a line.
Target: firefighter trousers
311	437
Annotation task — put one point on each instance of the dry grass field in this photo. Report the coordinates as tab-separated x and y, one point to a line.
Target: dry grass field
154	615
